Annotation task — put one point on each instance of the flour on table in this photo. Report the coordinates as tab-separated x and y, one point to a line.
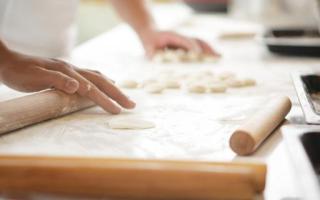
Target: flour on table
130	123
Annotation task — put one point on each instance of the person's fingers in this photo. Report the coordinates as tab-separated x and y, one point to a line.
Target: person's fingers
182	42
25	81
101	99
86	88
106	86
206	49
95	72
59	81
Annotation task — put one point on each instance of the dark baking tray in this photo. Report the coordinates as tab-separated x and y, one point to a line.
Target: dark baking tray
208	5
303	144
307	85
293	41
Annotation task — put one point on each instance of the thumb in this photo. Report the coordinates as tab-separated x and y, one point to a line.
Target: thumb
62	82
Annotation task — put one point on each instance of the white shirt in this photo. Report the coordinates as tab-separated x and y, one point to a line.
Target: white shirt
38	27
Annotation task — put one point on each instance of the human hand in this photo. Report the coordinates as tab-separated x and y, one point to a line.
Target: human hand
156	40
30	74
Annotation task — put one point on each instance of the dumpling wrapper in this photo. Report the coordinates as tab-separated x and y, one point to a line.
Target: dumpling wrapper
130	123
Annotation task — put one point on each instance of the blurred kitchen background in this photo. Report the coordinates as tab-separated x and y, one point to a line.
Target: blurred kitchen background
97	16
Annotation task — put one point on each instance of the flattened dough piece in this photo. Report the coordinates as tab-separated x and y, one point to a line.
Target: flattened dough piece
234	83
172	84
129	84
237	35
217	88
130	123
197	88
180	55
193	56
154	88
248	82
158	57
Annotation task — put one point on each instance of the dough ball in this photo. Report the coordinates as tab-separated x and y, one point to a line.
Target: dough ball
158	57
249	82
183	56
164	56
129	84
130	123
172	84
217	88
193	56
180	55
197	88
154	88
170	56
234	83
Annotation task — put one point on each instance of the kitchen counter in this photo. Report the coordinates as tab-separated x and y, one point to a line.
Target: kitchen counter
188	126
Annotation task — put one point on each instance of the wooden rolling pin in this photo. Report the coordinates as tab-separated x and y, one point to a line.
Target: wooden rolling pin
129	179
248	137
20	112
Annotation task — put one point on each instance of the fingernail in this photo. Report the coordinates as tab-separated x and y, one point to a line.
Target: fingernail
72	86
116	111
132	103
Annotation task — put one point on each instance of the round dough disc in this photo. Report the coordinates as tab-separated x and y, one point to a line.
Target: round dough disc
217	88
197	88
129	84
154	88
130	123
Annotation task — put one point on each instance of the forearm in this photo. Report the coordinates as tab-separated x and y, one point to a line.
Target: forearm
4	54
136	14
3	51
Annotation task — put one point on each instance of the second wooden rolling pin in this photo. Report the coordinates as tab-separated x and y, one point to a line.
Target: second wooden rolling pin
129	179
20	112
248	137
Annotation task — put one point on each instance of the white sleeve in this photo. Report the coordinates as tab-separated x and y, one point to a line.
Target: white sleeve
3	10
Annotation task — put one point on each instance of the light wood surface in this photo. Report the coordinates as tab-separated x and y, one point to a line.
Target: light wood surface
23	111
133	179
249	136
